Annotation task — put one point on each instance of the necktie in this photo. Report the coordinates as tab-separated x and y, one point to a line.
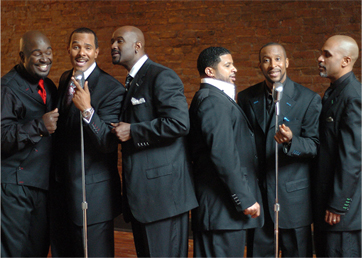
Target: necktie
327	94
129	79
41	91
269	104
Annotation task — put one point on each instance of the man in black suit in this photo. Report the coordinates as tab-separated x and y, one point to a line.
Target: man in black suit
337	179
28	119
98	104
297	138
157	185
224	161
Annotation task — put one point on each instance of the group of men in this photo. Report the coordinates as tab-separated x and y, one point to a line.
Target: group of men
216	158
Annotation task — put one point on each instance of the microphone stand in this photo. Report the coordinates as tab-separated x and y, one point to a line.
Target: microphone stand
276	205
84	203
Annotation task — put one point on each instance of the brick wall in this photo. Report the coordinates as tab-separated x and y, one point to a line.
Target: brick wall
177	31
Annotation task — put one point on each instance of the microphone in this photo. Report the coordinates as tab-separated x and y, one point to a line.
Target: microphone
277	91
79	77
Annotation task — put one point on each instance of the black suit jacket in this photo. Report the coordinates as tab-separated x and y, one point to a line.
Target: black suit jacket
224	161
299	109
156	169
103	187
25	142
338	171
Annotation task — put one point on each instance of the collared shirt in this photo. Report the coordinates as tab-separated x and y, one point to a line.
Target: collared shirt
137	66
227	88
340	80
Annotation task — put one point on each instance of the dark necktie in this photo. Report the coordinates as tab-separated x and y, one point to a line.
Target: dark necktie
269	103
327	94
41	91
127	84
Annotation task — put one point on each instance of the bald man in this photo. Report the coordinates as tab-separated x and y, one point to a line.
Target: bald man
337	179
158	190
28	118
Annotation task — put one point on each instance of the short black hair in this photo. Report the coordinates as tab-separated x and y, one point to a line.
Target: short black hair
84	30
210	57
271	44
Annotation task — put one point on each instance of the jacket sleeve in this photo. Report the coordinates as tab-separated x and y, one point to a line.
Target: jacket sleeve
348	172
217	132
15	135
305	144
171	112
107	112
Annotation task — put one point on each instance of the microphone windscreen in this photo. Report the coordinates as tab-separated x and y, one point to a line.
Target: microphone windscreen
79	76
277	91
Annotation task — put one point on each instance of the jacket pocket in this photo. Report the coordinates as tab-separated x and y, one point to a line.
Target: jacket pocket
297	185
159	172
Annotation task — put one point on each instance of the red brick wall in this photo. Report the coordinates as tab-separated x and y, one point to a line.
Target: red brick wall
177	31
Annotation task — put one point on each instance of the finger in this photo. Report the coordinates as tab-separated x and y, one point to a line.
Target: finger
326	216
86	89
77	85
55	110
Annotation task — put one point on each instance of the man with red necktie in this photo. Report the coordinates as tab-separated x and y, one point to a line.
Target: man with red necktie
28	119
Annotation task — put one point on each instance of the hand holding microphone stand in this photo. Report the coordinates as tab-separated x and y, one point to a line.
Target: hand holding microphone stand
79	76
277	95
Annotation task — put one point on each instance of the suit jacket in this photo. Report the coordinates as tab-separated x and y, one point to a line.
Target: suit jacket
156	168
338	170
25	141
224	161
103	189
299	110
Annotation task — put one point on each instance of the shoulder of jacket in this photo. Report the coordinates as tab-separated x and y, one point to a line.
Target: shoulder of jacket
7	79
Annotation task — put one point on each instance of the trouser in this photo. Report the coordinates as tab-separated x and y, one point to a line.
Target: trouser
164	238
219	243
337	244
24	221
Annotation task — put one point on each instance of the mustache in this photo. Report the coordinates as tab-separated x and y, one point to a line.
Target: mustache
115	52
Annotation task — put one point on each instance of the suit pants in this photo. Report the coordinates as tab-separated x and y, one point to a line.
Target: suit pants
294	242
67	239
337	243
24	221
219	243
164	238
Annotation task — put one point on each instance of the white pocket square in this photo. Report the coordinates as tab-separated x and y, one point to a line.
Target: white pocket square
137	101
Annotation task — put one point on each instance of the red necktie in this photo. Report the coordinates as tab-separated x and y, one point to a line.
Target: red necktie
41	91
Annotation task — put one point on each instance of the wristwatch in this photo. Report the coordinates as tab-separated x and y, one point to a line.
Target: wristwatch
87	112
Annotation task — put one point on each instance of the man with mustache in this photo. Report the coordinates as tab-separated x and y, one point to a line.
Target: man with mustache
337	175
297	138
157	186
224	161
28	120
96	106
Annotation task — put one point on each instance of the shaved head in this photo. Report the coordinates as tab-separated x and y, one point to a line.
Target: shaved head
128	46
347	46
36	54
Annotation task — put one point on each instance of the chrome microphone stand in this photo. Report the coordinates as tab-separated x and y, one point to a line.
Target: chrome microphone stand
277	95
79	76
276	205
84	203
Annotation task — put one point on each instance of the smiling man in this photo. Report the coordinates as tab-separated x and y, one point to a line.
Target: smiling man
224	159
297	138
28	118
98	104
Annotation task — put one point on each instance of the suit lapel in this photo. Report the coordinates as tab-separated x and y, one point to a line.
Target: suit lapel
135	84
257	102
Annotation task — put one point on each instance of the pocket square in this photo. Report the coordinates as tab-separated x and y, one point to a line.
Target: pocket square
137	101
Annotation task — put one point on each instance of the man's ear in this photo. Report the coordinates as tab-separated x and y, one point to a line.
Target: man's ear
209	71
22	57
138	46
346	61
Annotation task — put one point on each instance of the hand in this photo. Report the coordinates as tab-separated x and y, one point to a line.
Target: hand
332	218
284	135
253	211
81	97
122	130
50	120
